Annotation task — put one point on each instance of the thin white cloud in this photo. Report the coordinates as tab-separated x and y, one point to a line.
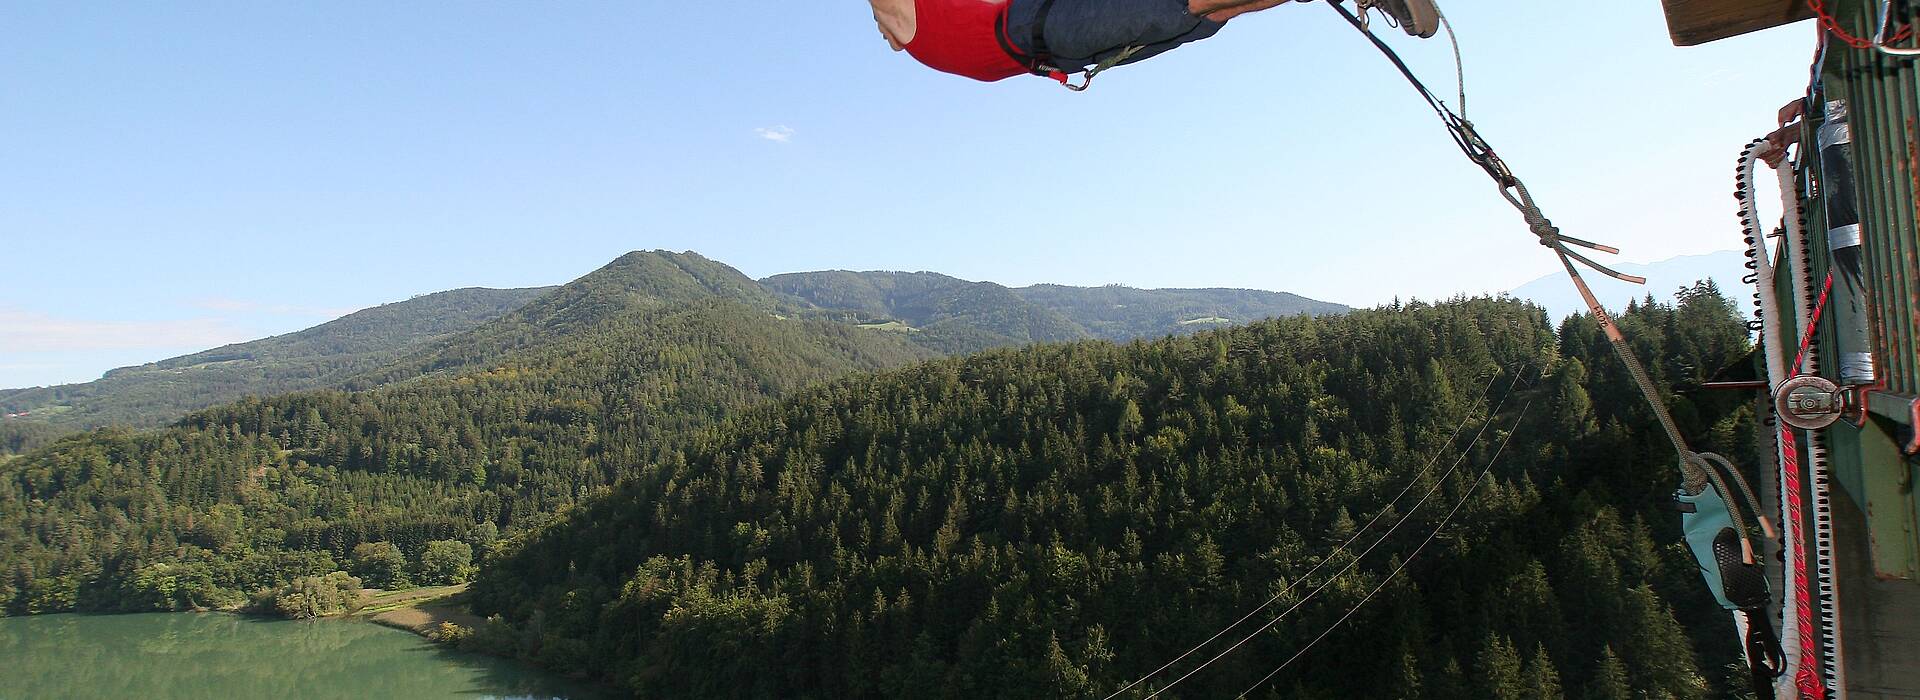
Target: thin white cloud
777	133
1723	76
27	331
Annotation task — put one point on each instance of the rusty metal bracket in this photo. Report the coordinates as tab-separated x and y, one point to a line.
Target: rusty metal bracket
1902	409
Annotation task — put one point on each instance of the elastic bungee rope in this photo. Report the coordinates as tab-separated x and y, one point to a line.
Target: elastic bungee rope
1796	626
1716	531
1806	313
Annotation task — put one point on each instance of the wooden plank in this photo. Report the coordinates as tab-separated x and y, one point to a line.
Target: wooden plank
1694	22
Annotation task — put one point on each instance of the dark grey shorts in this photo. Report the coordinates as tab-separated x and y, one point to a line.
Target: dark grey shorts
1081	33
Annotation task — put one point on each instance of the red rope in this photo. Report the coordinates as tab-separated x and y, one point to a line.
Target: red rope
1832	24
1806	338
1808	679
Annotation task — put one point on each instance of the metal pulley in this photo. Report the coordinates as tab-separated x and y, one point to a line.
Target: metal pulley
1808	402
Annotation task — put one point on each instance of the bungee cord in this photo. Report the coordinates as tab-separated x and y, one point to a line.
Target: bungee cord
1716	529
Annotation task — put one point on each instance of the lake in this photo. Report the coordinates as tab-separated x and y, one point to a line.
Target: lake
229	657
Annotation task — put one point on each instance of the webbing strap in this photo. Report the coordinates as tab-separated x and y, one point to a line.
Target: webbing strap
1695	477
1041	62
1767	658
1725	554
1727	561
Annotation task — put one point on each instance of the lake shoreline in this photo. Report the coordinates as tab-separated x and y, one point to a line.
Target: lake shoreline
421	611
164	656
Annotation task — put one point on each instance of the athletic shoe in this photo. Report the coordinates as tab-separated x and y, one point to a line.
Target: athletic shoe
1416	17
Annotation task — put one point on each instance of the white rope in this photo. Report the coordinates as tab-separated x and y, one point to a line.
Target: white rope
1403	564
1819	477
1438	484
1777	373
1331	555
1459	63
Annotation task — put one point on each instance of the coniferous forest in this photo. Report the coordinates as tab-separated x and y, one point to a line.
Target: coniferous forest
678	489
1054	521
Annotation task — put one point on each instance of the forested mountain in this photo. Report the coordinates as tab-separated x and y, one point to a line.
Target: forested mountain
948	314
1122	313
442	333
521	417
321	356
1048	521
633	283
956	315
1057	520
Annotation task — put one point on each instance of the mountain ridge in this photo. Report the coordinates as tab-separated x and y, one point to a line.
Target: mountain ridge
304	359
674	479
1044	312
457	330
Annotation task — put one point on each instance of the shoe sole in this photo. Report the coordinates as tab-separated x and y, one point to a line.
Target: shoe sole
1422	17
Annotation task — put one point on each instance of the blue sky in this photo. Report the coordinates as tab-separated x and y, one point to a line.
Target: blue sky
175	176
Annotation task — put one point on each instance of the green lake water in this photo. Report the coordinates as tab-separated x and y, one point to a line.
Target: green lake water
228	657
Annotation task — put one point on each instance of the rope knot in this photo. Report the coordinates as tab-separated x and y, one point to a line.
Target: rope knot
1549	234
1542	227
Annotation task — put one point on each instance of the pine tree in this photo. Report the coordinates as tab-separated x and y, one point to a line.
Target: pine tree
1130	419
1609	679
1499	667
1542	682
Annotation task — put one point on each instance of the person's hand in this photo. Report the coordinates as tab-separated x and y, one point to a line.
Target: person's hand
1776	149
1792	112
1787	135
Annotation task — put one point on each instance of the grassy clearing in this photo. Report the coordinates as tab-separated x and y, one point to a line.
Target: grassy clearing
374	601
418	610
895	326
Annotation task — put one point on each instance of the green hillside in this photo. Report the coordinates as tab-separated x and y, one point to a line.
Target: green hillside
321	356
1122	313
542	408
635	282
959	316
1056	520
429	334
1050	521
952	315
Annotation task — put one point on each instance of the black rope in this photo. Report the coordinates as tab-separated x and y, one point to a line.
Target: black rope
1764	653
1464	136
1766	660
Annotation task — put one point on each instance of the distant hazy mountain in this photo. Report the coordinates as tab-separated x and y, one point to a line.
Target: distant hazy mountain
1557	294
956	315
324	355
948	314
1123	313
